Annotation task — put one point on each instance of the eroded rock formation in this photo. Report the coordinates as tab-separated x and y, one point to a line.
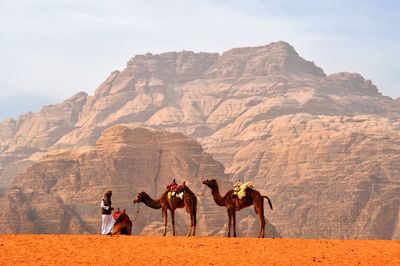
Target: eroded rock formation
61	192
325	146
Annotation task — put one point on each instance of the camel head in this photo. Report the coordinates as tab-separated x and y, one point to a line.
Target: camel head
139	197
211	183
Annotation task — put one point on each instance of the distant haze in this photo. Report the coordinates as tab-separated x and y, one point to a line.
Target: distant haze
50	50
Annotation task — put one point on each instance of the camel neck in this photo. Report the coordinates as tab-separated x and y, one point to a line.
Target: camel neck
154	204
220	201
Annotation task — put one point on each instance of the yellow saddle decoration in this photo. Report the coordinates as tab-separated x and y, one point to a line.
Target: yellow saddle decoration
239	189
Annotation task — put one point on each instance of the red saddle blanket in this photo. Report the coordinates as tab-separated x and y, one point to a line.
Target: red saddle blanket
117	215
175	187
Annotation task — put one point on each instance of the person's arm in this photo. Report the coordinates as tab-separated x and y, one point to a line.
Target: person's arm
104	206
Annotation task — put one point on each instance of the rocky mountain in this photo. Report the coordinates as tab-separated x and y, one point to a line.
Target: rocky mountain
35	132
61	192
325	146
329	176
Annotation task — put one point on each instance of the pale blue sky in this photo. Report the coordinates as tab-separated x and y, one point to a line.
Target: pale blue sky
51	49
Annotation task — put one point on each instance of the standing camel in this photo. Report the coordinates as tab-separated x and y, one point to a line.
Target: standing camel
233	204
189	202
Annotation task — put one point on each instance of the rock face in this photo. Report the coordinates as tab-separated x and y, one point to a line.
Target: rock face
61	192
328	176
35	132
324	147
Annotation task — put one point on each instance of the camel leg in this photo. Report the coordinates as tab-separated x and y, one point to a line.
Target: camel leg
260	213
193	212
191	224
230	222
165	221
194	222
192	231
263	227
173	221
116	230
234	222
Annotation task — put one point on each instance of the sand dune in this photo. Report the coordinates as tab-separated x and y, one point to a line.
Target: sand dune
140	250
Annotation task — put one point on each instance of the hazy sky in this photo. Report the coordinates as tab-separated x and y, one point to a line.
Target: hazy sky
52	49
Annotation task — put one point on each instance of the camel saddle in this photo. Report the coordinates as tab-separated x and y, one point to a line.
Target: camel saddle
116	215
175	190
173	187
240	189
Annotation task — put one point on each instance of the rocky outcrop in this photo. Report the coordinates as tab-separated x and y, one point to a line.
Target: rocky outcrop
264	112
61	192
35	132
328	176
7	130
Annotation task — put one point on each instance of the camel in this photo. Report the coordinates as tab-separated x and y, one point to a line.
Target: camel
233	204
189	202
123	224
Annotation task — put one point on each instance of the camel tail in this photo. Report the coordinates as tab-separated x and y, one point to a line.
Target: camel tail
269	202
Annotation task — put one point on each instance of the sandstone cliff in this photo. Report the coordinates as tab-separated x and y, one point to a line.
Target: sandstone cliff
267	114
34	132
329	176
61	192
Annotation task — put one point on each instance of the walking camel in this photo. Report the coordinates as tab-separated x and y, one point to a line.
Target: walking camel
233	204
189	202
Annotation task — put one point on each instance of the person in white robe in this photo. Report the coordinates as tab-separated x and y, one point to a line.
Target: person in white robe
107	221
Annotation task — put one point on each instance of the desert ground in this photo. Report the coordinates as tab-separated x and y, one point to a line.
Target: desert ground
143	250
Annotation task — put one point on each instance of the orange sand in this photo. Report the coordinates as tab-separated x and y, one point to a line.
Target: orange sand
140	250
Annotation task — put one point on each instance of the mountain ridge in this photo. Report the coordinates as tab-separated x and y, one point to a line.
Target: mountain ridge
264	112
